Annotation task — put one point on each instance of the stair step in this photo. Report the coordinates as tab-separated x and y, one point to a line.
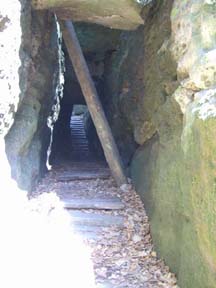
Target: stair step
93	219
93	203
87	235
79	146
80	142
75	148
79	139
84	175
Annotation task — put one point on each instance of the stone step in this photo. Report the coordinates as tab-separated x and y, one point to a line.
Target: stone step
79	143
80	147
76	144
77	148
87	235
87	232
84	175
93	203
84	170
79	140
87	228
93	219
107	285
77	123
83	150
78	137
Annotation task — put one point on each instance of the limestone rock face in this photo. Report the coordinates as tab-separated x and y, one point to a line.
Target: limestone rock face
193	42
124	14
10	38
162	82
27	78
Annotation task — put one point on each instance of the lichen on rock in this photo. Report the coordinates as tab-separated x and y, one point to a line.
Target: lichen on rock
10	38
165	92
27	78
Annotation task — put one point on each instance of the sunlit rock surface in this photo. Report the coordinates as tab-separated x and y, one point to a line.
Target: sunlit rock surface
27	78
10	38
124	14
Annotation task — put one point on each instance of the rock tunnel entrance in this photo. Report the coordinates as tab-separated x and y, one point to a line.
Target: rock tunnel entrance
73	51
153	65
74	126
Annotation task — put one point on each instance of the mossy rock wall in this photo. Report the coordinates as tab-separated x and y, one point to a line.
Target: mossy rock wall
175	172
177	185
162	82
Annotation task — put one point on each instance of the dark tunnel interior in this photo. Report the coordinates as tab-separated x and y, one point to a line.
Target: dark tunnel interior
74	136
101	47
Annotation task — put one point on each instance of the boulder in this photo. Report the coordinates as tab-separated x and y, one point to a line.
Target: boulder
124	14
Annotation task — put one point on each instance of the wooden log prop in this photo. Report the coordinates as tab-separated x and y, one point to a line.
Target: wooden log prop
93	102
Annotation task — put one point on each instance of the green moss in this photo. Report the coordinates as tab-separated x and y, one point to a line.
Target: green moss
174	172
179	191
174	12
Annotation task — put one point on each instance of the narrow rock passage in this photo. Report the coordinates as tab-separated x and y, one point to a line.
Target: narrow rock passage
112	222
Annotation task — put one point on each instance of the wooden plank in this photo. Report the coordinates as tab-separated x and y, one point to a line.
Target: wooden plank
82	176
93	102
93	203
93	219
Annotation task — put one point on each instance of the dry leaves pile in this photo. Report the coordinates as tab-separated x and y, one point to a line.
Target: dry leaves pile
122	257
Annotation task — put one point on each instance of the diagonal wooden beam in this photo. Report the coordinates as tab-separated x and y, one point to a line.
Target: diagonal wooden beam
93	102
